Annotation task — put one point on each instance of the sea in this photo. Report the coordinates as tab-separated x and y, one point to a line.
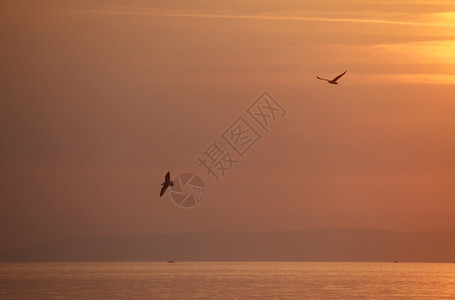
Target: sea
227	280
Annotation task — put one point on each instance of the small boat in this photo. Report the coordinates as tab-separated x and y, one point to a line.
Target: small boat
171	261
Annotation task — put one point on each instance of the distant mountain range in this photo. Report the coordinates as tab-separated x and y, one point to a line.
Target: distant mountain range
324	244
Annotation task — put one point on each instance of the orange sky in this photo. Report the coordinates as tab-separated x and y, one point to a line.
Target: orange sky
99	101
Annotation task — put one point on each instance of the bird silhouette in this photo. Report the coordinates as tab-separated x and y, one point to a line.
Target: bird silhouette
167	182
334	80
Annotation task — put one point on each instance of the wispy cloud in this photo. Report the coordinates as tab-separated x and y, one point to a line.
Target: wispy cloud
267	17
405	78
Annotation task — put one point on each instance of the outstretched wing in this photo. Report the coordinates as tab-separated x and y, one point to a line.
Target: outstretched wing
163	189
339	76
167	177
322	78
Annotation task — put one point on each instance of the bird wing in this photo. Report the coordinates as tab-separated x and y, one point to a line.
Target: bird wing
339	76
167	177
322	78
163	189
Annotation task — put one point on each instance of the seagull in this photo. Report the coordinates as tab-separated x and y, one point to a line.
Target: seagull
167	182
334	80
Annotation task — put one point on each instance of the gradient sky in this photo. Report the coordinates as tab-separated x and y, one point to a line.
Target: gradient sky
99	99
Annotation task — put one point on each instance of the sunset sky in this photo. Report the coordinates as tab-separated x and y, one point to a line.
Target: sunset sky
99	99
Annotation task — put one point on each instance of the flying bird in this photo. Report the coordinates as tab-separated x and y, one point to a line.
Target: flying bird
334	80
167	182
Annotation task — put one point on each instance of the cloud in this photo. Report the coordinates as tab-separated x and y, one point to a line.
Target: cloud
265	17
404	78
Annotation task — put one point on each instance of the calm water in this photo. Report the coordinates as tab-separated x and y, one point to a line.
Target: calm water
227	280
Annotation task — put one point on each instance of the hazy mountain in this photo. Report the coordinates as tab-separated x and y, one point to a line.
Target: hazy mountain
307	245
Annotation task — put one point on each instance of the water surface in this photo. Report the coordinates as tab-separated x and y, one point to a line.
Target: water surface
227	280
